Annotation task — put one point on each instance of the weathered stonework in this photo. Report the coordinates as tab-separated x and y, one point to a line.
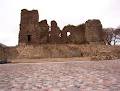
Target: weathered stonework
34	32
69	29
43	29
58	43
76	34
2	51
29	21
54	33
93	31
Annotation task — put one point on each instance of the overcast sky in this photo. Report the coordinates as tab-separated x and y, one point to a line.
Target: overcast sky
63	11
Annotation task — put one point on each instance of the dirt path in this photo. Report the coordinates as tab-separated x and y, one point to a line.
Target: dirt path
42	60
61	76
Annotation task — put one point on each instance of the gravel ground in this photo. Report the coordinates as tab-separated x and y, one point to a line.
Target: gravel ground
61	76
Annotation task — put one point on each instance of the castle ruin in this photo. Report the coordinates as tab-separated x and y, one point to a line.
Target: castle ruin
34	32
38	39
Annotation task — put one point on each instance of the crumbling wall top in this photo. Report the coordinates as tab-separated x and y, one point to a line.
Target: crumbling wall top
43	23
94	22
29	16
53	23
40	32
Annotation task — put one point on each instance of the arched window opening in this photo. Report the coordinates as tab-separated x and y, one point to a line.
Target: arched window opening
68	33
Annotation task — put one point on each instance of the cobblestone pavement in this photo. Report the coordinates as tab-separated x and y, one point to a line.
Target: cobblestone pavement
61	76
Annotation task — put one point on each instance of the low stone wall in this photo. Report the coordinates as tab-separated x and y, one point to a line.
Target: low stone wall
97	52
2	52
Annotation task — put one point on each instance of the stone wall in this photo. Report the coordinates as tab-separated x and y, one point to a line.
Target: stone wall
2	52
76	34
69	29
55	33
63	51
43	29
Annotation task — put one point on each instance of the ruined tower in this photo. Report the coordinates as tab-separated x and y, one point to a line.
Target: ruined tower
31	30
28	25
93	31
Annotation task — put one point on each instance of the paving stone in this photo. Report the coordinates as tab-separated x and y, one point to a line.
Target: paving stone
60	76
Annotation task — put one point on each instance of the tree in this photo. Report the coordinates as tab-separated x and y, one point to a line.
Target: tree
108	35
116	37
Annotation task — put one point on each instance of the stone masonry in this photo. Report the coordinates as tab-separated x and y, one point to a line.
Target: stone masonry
61	76
34	32
2	51
93	31
43	31
28	30
55	33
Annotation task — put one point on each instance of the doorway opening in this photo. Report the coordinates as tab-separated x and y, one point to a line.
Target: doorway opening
29	38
